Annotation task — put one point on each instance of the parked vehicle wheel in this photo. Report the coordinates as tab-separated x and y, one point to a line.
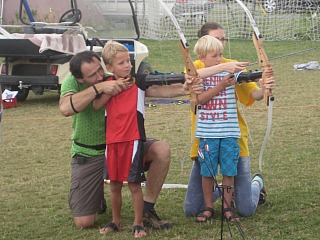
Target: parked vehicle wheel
270	6
22	94
145	68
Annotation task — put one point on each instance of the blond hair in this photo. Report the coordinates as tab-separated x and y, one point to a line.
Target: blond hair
110	51
207	44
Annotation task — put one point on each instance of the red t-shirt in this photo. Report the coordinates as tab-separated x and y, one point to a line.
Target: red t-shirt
125	115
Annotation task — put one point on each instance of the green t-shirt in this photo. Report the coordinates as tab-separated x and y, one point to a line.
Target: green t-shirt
88	125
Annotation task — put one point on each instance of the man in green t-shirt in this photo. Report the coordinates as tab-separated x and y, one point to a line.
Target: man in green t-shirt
88	160
88	147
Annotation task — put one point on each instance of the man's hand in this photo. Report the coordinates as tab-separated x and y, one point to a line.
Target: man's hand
114	87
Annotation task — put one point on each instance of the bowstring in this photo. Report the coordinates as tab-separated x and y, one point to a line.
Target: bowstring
240	106
223	201
221	195
187	154
228	26
241	111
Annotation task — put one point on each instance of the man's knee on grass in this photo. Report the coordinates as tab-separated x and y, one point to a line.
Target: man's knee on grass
85	221
159	151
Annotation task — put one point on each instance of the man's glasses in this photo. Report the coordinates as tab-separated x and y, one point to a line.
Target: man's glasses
223	40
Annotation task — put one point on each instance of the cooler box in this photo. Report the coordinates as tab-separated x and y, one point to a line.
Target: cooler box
9	99
9	103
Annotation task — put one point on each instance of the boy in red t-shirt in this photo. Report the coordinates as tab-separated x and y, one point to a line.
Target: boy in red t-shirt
125	133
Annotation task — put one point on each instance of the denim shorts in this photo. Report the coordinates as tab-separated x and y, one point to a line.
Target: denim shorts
218	151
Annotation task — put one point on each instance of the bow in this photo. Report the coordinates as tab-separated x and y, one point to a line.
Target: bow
266	66
184	48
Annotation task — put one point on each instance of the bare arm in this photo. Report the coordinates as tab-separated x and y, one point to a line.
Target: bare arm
79	101
175	90
230	67
211	93
71	103
100	102
258	94
166	91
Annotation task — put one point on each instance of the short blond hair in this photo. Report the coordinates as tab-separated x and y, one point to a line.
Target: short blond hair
207	44
110	51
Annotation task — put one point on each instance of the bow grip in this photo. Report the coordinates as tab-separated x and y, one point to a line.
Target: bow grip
191	71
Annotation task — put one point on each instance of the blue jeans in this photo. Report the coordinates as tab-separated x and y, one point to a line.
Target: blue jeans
246	193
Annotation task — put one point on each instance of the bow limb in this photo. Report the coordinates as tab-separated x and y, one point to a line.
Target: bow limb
191	71
184	48
267	72
266	67
266	136
262	56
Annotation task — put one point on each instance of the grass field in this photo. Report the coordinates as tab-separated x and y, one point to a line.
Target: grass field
34	158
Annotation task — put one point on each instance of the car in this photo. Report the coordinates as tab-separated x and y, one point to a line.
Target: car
193	11
273	5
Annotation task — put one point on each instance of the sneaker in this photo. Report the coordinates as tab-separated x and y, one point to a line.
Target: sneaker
263	193
151	219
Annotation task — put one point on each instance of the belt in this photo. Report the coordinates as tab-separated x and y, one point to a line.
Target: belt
95	147
78	159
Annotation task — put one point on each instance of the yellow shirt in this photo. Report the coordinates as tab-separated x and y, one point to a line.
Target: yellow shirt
243	94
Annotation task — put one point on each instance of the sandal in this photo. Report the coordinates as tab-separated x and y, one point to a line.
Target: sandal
140	231
233	217
206	217
111	226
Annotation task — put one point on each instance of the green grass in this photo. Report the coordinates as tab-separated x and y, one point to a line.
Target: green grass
34	157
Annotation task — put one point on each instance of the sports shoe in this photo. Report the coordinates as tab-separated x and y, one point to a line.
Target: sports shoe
151	219
263	193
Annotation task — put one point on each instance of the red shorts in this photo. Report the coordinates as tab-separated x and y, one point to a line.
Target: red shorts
125	161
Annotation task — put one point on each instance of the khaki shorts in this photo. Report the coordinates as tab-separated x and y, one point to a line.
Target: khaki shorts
86	191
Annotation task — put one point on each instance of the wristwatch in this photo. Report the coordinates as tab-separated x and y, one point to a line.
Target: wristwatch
98	95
